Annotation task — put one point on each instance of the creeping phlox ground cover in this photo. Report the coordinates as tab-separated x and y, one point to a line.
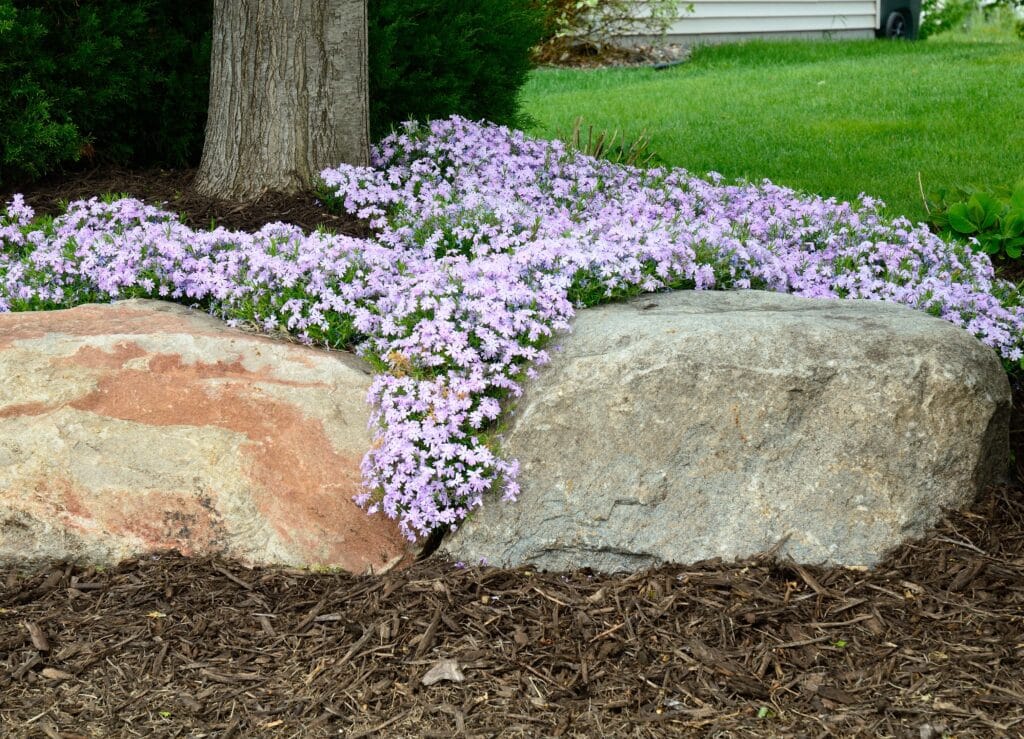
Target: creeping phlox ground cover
486	242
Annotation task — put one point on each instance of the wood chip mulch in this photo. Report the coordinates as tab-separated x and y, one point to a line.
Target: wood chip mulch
172	190
930	644
585	55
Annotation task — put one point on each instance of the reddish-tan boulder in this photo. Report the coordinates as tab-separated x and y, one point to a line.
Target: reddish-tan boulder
144	426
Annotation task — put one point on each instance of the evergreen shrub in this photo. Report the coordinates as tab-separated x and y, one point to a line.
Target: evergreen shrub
121	80
34	136
433	58
127	81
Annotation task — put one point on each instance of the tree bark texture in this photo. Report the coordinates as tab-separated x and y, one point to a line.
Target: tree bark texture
288	95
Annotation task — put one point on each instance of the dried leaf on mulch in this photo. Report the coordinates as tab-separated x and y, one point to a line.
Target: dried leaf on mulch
443	670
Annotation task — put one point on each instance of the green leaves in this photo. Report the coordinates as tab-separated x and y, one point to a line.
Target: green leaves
995	218
980	213
1017	197
959	218
1013	231
430	58
984	210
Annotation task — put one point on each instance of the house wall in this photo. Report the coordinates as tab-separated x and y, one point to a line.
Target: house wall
728	20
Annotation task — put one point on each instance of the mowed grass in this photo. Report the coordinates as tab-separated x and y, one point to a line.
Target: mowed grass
829	117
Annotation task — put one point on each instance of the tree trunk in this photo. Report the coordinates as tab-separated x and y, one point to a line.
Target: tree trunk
288	95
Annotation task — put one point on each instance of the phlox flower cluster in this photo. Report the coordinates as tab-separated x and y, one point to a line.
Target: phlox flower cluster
485	244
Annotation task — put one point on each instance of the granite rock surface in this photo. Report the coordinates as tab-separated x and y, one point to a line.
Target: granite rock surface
690	425
143	426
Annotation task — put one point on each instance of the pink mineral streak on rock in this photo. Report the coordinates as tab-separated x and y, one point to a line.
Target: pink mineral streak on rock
299	478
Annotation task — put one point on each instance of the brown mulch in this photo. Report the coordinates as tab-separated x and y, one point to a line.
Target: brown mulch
172	189
929	644
587	55
1010	269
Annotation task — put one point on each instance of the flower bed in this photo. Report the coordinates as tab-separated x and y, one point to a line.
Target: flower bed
486	243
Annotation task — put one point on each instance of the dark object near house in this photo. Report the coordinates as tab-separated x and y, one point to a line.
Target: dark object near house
899	19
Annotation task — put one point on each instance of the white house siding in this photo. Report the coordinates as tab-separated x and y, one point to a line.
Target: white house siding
727	20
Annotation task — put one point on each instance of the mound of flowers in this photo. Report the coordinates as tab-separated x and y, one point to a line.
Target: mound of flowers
486	243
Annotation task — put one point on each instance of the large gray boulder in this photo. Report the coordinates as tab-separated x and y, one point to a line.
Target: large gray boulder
143	426
691	425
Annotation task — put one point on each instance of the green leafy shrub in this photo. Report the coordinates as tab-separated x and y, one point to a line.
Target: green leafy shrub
121	80
157	63
994	217
134	75
941	16
34	136
433	58
127	80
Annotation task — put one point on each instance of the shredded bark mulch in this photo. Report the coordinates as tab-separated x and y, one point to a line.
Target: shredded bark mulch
172	189
587	55
929	644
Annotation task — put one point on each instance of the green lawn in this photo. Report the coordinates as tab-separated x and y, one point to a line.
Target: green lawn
835	118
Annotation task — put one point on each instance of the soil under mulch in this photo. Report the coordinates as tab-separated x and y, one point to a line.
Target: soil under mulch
929	644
